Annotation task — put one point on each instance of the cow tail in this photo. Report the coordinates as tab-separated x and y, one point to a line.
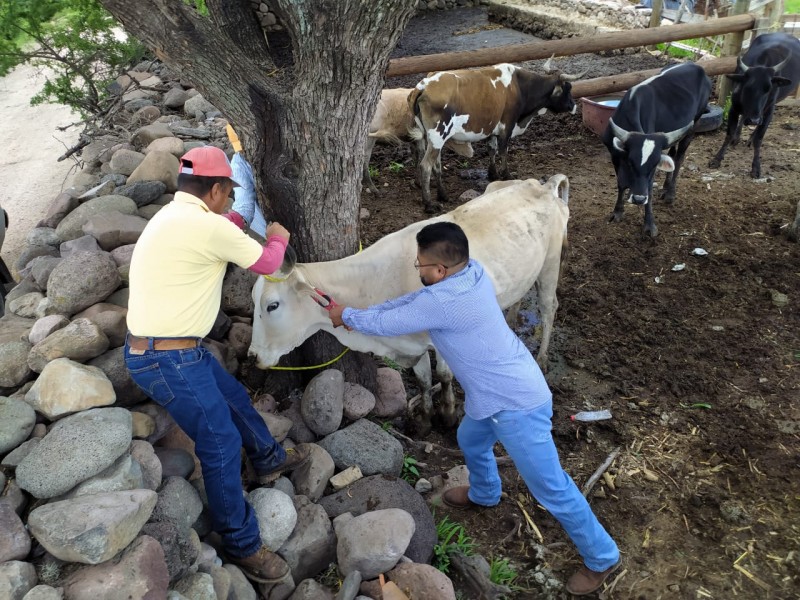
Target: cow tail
559	184
416	131
386	136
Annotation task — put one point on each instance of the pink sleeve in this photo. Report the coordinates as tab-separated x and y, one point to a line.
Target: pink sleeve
234	218
271	257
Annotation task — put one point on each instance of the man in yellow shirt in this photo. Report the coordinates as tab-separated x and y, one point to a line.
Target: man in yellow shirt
176	277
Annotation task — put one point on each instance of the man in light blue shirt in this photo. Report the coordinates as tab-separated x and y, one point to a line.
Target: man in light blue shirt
506	395
245	201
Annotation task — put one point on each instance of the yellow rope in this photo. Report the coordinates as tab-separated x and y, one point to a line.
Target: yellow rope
330	362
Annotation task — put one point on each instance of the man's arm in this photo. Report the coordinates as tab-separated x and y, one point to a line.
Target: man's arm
418	311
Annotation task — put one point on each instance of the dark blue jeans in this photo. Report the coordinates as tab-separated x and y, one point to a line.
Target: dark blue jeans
213	408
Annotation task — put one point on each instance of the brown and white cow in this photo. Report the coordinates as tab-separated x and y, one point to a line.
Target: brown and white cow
517	230
496	102
392	123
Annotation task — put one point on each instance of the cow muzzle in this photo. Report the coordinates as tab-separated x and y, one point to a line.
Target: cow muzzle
752	120
638	200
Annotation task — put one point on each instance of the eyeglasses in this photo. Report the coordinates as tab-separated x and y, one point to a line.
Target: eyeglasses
418	266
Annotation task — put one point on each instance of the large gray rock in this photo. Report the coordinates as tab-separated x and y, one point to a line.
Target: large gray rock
390	399
157	166
125	162
145	135
198	104
145	115
114	229
76	448
92	152
80	341
27	255
197	586
309	589
178	503
16	423
322	403
16	579
81	280
311	478
124	474
71	226
312	546
14	369
276	516
175	462
60	207
379	492
18	454
142	452
26	306
123	254
43	236
237	292
44	592
91	529
372	543
66	387
278	426
175	98
45	326
299	432
172	145
365	444
85	243
42	267
358	401
113	324
15	543
112	363
144	192
138	573
181	546
241	588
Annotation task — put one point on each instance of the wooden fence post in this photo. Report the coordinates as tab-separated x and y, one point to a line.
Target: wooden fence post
655	16
732	46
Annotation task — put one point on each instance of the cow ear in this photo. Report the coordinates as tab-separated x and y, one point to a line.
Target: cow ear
666	164
619	144
781	81
738	77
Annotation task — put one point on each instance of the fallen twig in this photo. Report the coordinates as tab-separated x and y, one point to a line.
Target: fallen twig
81	144
428	446
599	472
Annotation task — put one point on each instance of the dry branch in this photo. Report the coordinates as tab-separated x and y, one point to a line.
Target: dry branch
599	472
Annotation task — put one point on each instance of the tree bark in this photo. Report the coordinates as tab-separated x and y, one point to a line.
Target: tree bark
303	126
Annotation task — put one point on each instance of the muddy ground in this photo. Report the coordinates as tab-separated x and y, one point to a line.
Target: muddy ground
701	369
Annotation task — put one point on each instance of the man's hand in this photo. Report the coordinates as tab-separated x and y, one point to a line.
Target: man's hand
336	315
276	228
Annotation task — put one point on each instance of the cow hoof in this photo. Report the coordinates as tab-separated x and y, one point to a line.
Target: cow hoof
649	232
615	217
755	173
433	208
420	427
667	198
714	163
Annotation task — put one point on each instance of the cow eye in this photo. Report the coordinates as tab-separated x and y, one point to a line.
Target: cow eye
272	306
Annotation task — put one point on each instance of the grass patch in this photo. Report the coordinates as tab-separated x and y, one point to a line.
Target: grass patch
452	538
791	7
410	471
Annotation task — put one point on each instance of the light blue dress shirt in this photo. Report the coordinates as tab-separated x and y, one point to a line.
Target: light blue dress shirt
467	326
245	202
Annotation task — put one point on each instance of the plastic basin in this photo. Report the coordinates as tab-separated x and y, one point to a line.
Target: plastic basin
596	110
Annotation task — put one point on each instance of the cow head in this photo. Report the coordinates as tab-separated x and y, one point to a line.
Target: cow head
284	315
560	98
755	85
640	154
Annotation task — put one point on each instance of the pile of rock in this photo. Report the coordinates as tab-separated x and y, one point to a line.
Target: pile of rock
102	496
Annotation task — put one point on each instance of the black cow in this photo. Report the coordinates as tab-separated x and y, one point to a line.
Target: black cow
653	116
767	73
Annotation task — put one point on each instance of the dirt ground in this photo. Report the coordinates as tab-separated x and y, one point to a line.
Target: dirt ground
700	368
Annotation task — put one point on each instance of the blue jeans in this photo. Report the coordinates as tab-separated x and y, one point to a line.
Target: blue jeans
213	408
527	439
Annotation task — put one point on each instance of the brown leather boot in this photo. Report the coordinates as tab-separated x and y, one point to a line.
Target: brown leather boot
585	581
262	566
295	457
458	497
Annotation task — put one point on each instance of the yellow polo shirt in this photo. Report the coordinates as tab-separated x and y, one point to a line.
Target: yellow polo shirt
177	269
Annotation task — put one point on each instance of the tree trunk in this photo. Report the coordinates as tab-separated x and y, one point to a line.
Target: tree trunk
303	126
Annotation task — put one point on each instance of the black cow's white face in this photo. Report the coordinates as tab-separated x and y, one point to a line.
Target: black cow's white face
640	156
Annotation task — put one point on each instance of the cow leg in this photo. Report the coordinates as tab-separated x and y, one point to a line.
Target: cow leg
546	285
441	192
619	207
493	176
649	230
418	152
428	161
731	135
671	181
503	150
512	314
366	179
447	400
758	137
422	413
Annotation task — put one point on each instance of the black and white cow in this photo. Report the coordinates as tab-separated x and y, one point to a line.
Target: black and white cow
654	116
767	73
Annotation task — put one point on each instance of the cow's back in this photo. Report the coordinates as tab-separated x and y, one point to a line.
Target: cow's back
665	102
770	49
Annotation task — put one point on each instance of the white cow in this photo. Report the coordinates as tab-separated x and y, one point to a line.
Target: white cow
517	230
393	123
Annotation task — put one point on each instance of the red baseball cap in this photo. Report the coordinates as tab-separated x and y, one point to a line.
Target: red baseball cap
206	161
